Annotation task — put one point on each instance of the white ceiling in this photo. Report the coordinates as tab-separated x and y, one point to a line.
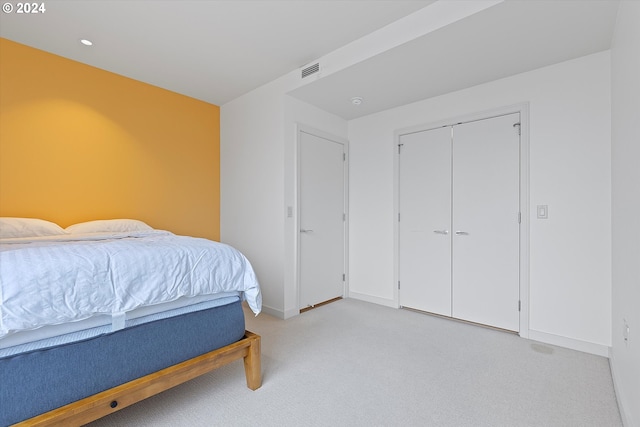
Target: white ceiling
503	40
218	50
210	50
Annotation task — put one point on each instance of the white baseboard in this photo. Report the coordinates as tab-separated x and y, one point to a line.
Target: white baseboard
375	300
290	313
623	401
280	314
273	312
573	344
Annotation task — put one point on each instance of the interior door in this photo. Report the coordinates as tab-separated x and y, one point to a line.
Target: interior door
486	203
425	231
321	219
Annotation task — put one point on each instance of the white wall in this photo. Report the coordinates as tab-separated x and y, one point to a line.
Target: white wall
625	357
570	162
257	183
251	185
570	154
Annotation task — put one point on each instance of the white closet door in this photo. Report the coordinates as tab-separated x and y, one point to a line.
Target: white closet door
424	232
485	221
322	234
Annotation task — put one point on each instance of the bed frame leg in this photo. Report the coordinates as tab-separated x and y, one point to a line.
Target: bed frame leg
252	369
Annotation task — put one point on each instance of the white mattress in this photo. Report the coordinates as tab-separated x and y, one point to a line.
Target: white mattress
109	322
104	279
62	334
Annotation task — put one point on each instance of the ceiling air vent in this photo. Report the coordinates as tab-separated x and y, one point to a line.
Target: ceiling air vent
311	69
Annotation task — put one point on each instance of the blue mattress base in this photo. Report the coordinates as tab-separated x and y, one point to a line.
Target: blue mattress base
41	380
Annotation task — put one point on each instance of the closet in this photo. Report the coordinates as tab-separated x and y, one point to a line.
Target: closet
459	221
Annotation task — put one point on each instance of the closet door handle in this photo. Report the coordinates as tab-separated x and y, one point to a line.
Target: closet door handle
302	230
441	231
462	233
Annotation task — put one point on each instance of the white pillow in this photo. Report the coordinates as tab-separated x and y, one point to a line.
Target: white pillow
108	225
28	227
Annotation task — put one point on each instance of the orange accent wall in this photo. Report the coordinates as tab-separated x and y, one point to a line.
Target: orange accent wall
78	143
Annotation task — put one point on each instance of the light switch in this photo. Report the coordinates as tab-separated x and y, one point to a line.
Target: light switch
543	211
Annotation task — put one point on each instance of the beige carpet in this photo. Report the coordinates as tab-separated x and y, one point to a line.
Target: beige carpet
352	363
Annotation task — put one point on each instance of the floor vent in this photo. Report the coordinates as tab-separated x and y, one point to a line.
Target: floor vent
311	69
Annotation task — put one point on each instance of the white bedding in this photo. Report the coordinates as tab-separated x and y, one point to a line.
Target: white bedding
58	279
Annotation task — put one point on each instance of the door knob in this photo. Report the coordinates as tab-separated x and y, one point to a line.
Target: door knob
441	231
462	233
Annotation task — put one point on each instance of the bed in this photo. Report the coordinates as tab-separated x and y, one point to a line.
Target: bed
103	314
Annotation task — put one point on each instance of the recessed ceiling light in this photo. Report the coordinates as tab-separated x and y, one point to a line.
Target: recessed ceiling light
356	100
86	42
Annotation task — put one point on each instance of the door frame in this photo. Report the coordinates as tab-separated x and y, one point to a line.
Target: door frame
523	109
302	128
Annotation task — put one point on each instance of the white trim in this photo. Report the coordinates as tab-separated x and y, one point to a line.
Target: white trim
523	109
290	313
373	299
272	312
570	343
623	403
525	226
280	314
396	212
302	128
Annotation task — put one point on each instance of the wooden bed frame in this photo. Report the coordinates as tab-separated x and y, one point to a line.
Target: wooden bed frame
99	405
